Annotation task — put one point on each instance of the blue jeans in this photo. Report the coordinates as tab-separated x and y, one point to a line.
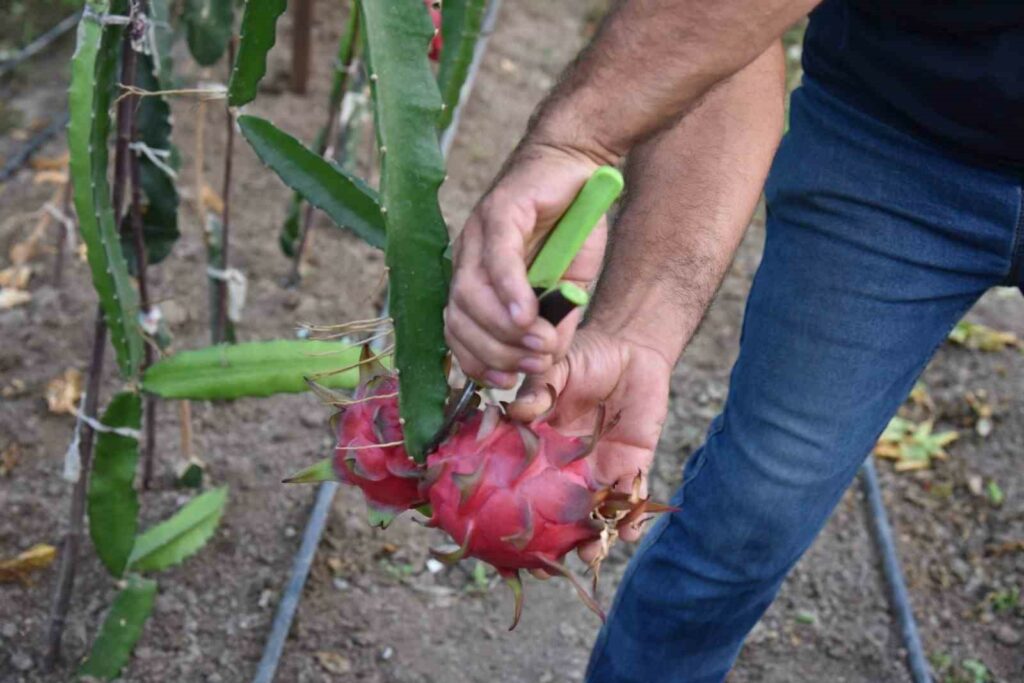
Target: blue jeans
877	243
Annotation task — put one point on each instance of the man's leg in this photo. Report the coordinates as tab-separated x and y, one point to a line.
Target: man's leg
876	245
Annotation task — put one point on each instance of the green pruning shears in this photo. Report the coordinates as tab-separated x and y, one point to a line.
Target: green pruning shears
556	298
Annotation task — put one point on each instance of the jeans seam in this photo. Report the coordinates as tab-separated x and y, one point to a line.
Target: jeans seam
1017	251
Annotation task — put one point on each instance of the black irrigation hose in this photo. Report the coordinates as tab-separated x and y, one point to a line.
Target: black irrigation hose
900	600
286	608
40	43
300	570
19	158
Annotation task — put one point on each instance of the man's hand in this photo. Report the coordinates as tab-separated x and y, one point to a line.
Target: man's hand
631	382
691	191
491	321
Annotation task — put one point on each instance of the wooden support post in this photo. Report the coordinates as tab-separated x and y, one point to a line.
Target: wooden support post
302	27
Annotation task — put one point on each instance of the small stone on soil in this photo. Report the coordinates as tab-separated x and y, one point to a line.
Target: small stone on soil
960	568
21	661
313	420
1007	635
333	662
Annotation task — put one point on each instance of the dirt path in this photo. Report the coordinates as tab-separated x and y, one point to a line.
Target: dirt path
373	609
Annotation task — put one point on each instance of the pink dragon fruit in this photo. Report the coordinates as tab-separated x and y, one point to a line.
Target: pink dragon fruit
523	496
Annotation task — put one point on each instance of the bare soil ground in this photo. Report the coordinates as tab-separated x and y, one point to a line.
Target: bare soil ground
373	609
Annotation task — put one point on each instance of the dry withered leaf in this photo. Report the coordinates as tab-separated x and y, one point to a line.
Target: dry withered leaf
919	396
10	297
57	163
333	662
23	252
982	411
53	177
63	392
18	568
913	446
15	388
1006	548
983	338
211	200
9	457
15	277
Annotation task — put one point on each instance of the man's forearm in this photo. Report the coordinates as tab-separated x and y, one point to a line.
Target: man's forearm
691	192
651	62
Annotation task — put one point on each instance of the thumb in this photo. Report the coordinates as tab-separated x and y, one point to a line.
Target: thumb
535	396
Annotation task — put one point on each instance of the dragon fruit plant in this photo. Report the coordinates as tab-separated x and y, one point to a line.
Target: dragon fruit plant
518	496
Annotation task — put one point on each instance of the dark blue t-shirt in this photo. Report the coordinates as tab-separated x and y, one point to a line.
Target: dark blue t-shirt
952	70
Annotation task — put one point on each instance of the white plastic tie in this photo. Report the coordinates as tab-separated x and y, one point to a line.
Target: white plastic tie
237	285
158	157
72	458
101	428
150	320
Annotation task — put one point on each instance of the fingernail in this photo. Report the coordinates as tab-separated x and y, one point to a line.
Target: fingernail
516	311
532	364
533	342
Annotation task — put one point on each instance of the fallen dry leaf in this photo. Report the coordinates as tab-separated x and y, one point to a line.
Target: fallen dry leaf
211	201
54	177
63	392
334	662
983	338
9	298
9	458
919	396
1006	548
15	388
982	411
18	568
49	163
15	277
913	446
888	450
22	252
